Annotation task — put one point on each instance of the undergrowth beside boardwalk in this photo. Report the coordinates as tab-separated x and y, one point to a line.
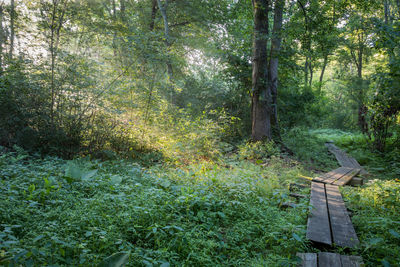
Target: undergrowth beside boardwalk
226	212
79	212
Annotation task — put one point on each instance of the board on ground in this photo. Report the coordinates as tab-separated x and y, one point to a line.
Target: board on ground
325	259
344	159
329	222
340	176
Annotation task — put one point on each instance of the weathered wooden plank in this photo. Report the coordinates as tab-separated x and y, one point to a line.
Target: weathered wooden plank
345	179
329	259
351	261
343	232
322	177
337	174
318	228
344	159
308	259
356	181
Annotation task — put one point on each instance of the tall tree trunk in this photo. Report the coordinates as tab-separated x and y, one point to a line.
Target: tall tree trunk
114	18
306	72
311	72
261	95
362	108
168	43
154	5
2	38
321	76
53	58
122	10
12	30
273	66
55	28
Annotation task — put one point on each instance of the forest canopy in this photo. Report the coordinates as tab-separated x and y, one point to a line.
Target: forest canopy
83	76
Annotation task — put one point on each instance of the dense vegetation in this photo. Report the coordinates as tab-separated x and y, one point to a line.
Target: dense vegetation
168	132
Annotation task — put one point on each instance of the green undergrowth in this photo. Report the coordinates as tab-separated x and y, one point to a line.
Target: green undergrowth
310	149
308	146
77	213
376	208
226	212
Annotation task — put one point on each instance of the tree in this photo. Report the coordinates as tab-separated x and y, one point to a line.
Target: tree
261	93
265	71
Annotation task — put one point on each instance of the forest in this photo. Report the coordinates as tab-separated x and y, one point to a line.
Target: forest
172	132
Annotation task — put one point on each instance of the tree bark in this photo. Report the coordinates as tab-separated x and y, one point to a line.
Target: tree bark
273	66
362	108
55	28
321	76
12	30
2	38
261	95
163	11
153	14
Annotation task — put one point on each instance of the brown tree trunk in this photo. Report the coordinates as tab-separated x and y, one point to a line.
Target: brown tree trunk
114	17
321	76
2	38
362	108
273	66
163	11
306	72
12	30
261	95
153	14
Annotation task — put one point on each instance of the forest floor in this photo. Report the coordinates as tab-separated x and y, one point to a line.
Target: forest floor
222	212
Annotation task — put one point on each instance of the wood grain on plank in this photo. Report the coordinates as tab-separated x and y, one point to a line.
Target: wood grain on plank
351	261
345	179
308	259
343	232
329	259
318	228
321	178
344	159
337	174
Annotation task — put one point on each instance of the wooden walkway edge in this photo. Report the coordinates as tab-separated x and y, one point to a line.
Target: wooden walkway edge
340	176
326	259
344	159
329	222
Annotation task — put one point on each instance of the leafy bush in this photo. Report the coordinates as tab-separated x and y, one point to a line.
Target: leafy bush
82	212
257	150
376	211
309	148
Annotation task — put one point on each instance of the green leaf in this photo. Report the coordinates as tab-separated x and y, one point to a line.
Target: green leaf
116	260
116	179
374	241
88	175
295	236
73	171
385	263
37	238
165	264
394	233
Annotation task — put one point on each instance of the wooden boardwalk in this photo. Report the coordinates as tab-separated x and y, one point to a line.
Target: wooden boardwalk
326	259
344	159
329	222
340	176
